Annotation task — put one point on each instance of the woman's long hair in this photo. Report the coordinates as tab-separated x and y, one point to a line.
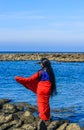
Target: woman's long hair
47	65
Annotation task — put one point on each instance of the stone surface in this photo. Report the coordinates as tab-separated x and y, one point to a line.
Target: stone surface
12	117
55	124
63	126
68	57
73	126
9	108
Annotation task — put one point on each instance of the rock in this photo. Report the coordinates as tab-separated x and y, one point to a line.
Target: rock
27	117
73	126
28	127
54	124
9	108
27	113
82	128
3	101
32	108
5	119
18	124
68	57
8	125
16	128
22	106
63	126
20	117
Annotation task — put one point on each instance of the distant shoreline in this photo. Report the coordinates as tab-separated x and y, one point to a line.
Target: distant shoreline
30	52
61	57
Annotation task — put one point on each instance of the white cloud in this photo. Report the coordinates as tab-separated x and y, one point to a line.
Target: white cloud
39	35
35	31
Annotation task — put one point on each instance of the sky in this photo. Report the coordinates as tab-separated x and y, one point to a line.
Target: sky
42	25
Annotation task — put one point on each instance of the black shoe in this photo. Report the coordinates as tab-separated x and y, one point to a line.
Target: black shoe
41	125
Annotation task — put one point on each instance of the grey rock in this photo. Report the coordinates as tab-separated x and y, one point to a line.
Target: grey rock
63	126
73	126
3	101
8	125
55	124
5	119
9	108
51	56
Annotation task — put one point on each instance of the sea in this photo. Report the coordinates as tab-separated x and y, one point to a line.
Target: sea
69	101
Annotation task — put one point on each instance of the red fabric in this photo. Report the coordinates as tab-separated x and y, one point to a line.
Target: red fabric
42	89
43	95
30	83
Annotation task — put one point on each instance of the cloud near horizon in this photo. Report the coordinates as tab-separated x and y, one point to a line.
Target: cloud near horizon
56	31
59	22
23	35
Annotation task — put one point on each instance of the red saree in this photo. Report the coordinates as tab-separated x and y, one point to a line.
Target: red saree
42	89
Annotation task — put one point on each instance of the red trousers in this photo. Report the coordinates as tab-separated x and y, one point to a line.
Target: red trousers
42	89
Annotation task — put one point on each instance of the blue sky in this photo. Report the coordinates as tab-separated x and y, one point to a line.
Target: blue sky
42	25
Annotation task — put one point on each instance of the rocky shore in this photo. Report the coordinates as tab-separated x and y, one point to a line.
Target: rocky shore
20	116
64	57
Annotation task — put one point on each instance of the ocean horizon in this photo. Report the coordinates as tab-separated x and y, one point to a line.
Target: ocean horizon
25	52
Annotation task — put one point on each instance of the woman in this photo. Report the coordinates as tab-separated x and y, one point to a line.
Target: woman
43	84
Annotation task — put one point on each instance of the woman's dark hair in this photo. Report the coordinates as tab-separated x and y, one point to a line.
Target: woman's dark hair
47	65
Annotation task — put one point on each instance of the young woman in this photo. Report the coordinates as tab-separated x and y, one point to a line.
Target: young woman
43	84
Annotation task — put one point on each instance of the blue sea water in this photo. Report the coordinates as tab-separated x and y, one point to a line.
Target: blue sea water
68	103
